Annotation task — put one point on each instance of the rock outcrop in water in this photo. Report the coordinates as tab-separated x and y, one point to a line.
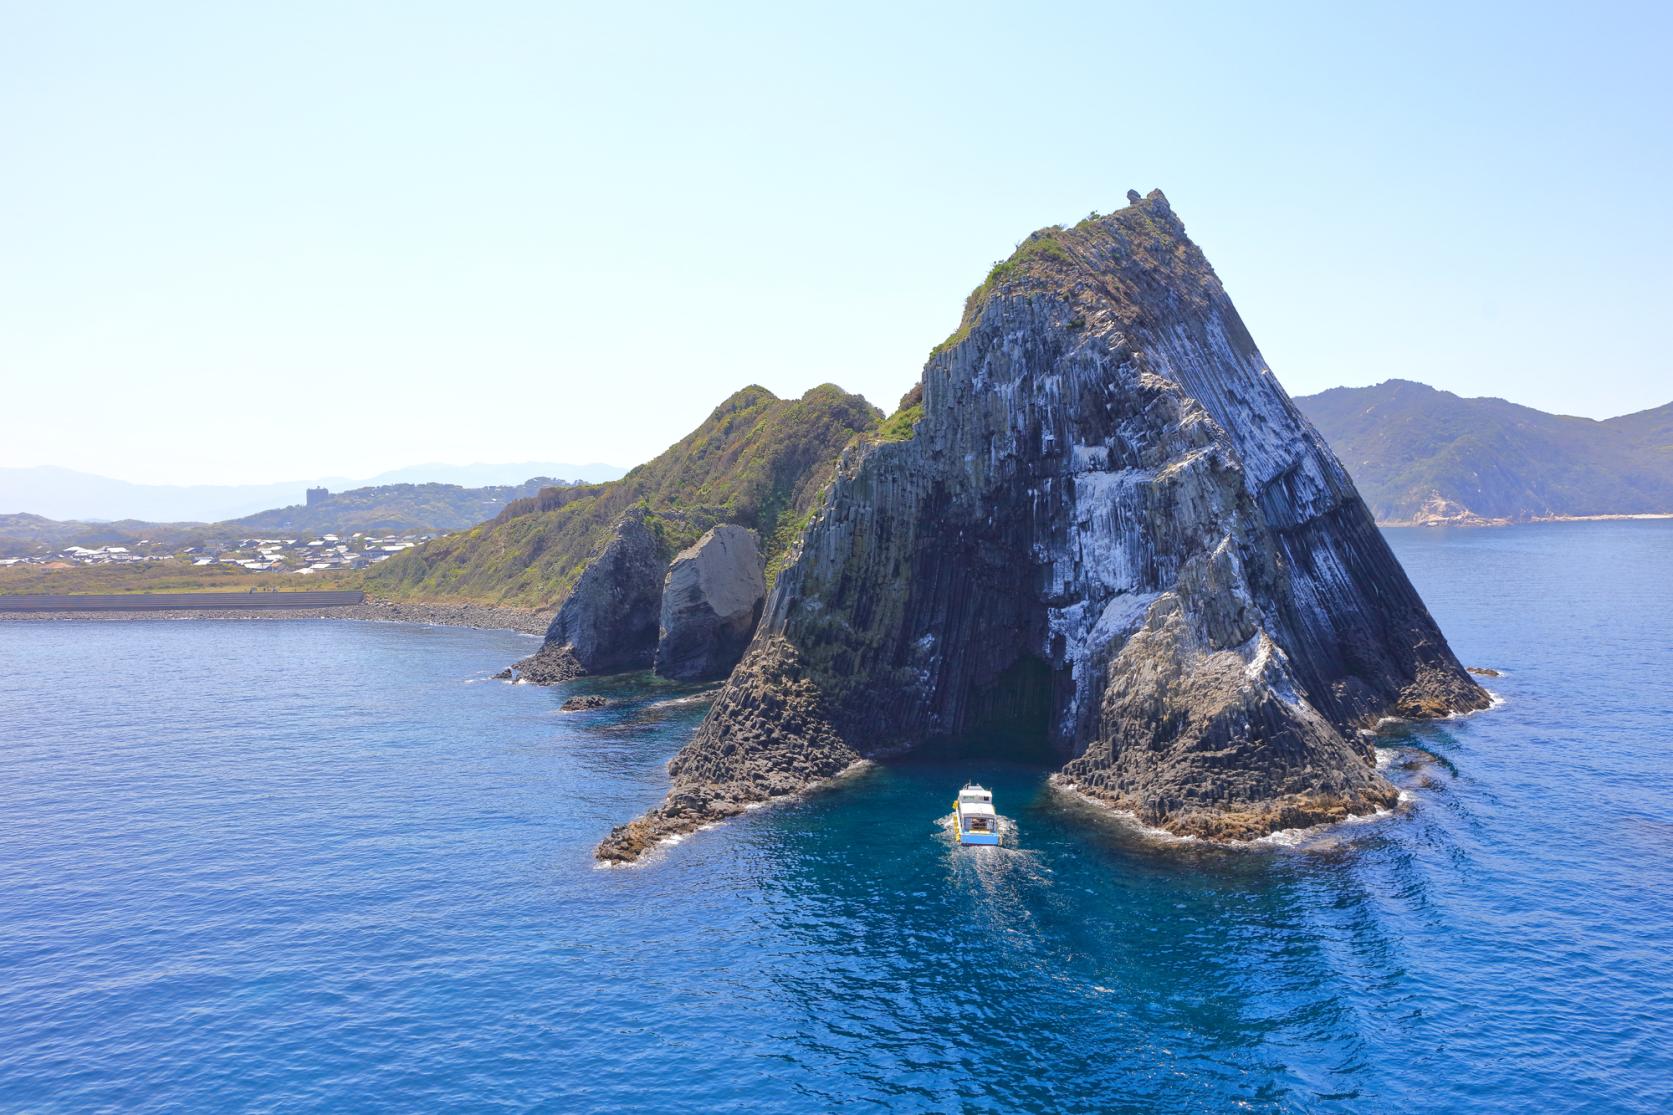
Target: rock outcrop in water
1110	531
609	621
711	601
691	618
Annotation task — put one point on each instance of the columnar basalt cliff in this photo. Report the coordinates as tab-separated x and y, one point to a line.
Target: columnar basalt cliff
1110	531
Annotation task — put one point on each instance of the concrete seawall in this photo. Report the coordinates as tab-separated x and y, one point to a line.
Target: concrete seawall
177	601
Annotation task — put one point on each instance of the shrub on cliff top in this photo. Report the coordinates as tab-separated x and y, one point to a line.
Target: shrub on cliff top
1039	249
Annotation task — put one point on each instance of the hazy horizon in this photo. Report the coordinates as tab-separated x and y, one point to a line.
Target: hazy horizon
59	493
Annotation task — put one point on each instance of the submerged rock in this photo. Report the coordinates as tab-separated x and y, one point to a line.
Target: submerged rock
1109	530
584	703
711	601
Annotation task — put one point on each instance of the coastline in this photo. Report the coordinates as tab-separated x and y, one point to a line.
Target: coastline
486	617
629	844
1477	521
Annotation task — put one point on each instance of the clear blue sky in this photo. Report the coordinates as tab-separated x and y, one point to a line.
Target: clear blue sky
251	242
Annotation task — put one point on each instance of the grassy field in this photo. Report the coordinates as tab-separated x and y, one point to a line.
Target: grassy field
162	576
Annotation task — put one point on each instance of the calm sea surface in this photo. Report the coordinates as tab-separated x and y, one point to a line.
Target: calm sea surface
321	866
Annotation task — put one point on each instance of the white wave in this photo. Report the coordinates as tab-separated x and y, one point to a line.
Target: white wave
1495	701
1295	838
1280	838
1283	838
1126	817
691	699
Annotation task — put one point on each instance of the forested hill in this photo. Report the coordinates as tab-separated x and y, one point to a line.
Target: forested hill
757	460
1419	455
409	508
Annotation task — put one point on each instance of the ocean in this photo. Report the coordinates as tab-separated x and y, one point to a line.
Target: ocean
325	865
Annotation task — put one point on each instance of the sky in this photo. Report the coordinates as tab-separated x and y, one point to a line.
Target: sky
243	243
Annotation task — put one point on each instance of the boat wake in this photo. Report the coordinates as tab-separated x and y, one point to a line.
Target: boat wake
1009	834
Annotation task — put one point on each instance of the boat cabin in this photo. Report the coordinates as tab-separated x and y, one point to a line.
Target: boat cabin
977	823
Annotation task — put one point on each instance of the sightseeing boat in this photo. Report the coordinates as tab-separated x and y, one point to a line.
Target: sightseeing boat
974	821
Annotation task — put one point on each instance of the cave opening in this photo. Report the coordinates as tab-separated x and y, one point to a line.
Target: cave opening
1009	718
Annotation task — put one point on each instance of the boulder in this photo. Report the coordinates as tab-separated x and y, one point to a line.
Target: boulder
711	601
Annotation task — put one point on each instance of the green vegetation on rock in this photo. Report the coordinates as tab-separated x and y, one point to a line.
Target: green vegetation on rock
1047	260
1037	252
758	460
898	426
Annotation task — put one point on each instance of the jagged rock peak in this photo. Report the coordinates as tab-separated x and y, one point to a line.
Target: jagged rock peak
1108	541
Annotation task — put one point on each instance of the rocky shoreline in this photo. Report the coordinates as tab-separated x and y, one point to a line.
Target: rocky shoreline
485	617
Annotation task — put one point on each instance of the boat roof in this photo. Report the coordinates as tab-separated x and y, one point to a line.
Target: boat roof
976	808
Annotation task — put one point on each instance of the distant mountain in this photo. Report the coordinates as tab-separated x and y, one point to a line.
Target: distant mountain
1419	455
408	508
396	508
65	494
489	475
32	535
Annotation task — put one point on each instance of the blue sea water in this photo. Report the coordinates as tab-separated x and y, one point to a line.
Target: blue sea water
322	866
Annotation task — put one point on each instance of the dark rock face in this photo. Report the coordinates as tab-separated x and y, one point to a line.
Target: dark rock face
1112	532
711	601
551	664
609	621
